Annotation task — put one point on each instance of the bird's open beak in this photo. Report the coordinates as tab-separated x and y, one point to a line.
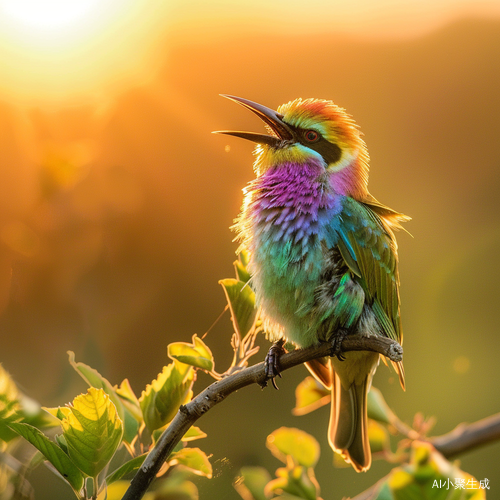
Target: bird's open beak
281	132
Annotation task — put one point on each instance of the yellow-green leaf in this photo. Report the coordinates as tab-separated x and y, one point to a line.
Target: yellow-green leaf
9	405
196	354
244	258
295	443
429	475
93	430
176	487
161	399
9	396
58	412
117	490
252	483
55	455
378	409
128	467
241	300
193	433
309	396
242	273
295	482
194	459
378	436
123	398
129	399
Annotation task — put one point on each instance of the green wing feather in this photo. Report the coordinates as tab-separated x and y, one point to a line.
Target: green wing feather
369	248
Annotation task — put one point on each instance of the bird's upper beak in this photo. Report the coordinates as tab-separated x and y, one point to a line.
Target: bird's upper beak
281	132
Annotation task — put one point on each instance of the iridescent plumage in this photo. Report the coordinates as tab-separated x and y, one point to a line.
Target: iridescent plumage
323	257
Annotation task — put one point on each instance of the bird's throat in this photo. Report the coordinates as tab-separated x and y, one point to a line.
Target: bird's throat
292	202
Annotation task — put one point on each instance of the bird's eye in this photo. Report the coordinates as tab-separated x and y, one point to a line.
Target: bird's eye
311	136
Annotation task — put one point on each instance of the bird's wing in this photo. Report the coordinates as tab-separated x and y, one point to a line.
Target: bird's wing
390	216
368	246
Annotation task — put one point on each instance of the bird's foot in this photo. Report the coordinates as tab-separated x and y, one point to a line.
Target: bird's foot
339	337
272	362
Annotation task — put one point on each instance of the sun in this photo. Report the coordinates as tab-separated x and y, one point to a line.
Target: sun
50	22
73	50
48	14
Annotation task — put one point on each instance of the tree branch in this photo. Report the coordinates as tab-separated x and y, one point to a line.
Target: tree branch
463	438
467	436
218	391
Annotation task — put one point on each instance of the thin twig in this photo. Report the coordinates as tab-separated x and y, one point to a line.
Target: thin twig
219	390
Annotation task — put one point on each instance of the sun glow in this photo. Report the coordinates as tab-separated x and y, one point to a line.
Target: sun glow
49	14
62	50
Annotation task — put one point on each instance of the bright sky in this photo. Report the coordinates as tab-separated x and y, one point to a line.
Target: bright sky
386	18
58	49
55	49
48	15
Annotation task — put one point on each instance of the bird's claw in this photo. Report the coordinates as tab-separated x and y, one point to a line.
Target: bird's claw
339	337
272	362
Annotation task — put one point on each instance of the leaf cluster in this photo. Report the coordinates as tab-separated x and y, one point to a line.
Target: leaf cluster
100	439
421	472
95	427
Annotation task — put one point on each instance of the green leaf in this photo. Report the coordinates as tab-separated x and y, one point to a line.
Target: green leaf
9	405
176	487
429	475
244	258
130	466
117	490
241	271
32	413
193	433
196	354
92	430
378	409
55	455
378	436
309	396
9	395
161	399
294	482
384	493
300	446
241	300
252	483
92	376
123	397
129	399
58	412
61	441
194	459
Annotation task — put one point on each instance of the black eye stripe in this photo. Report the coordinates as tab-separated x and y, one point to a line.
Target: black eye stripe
330	152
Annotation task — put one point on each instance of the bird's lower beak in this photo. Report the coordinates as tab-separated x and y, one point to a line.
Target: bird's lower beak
281	132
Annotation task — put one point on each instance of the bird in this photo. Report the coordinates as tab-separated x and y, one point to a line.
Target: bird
322	253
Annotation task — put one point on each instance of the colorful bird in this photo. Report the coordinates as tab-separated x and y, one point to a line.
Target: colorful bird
323	256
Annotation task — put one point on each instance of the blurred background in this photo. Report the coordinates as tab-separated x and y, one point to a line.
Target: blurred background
116	201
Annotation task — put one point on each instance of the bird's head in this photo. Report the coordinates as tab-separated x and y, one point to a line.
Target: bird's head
306	131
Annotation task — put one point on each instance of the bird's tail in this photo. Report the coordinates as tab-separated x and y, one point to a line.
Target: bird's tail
348	430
